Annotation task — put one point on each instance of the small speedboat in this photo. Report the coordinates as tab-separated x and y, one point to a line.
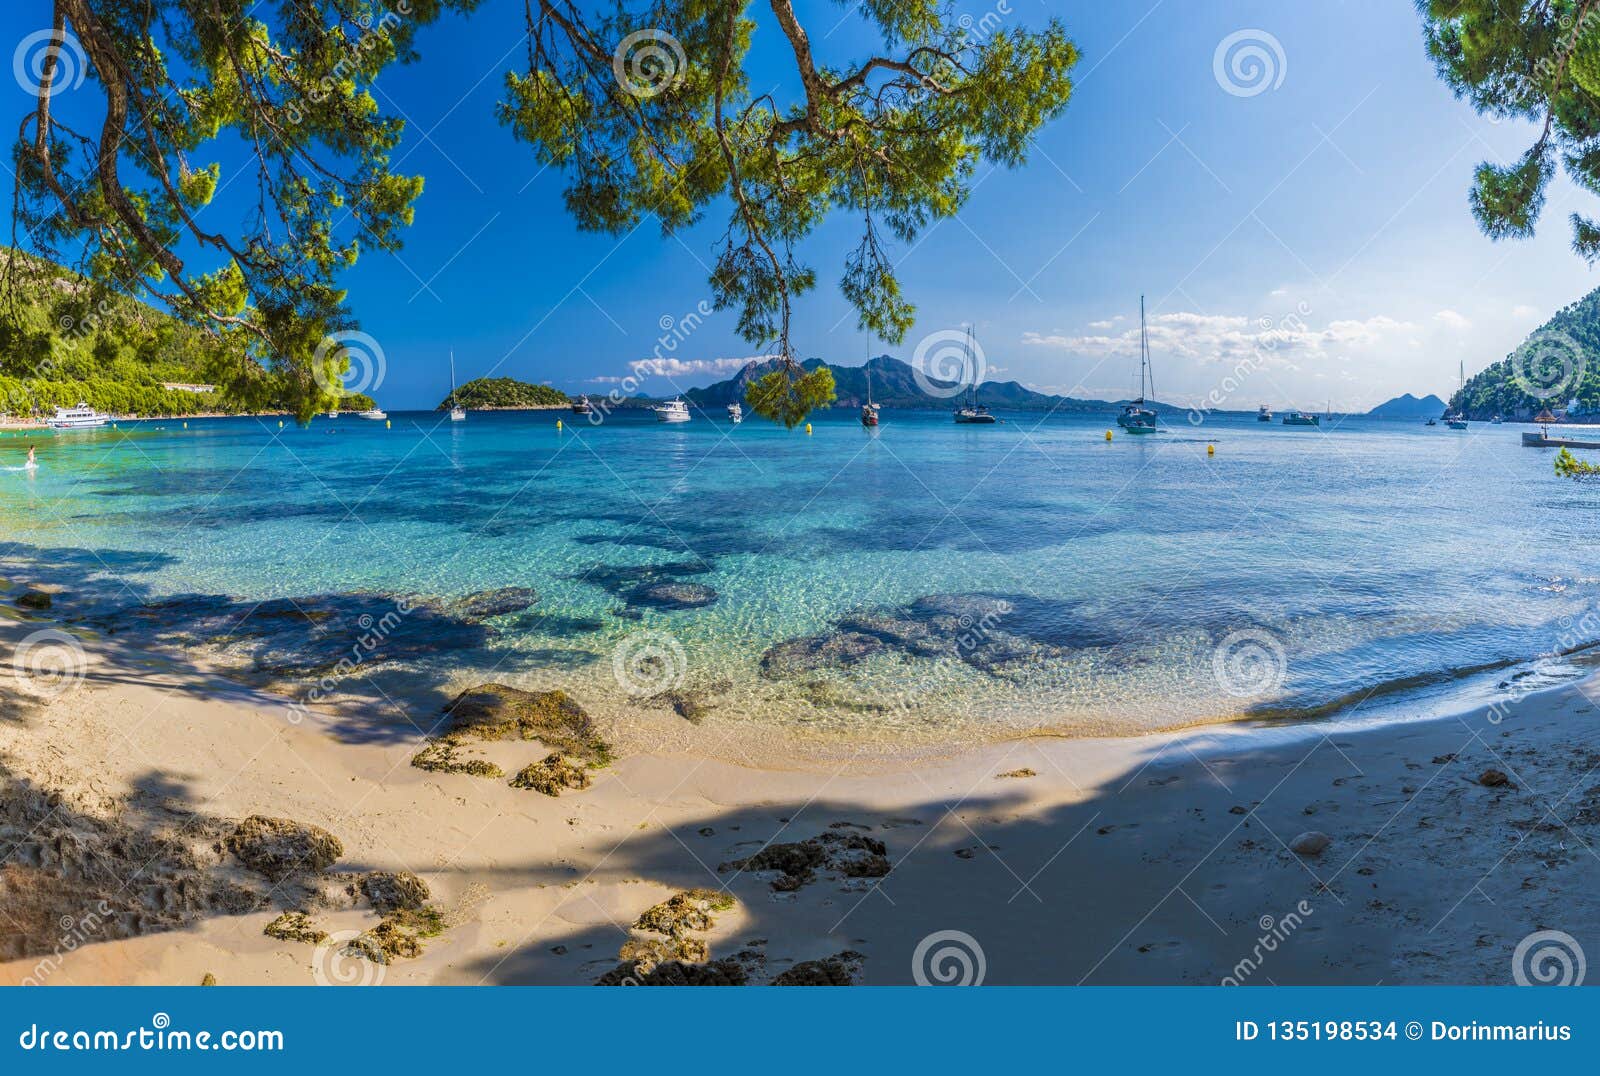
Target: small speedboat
735	413
373	413
672	411
1264	414
332	414
582	406
82	417
1456	422
1495	421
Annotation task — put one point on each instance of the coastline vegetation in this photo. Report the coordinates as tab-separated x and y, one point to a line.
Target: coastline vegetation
1570	466
504	394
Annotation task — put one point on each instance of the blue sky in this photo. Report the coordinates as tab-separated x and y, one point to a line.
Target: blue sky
1328	211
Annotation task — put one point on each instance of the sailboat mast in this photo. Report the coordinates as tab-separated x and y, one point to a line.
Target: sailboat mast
1144	352
452	378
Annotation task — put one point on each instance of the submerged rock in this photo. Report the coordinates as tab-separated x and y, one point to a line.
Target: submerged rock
1492	778
673	595
836	650
281	847
37	600
487	604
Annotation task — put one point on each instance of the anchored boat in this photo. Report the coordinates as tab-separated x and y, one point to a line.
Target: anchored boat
82	417
672	411
1136	417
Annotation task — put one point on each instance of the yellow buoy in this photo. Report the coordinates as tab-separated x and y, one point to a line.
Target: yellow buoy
558	424
1108	435
808	428
388	425
1211	450
280	424
186	425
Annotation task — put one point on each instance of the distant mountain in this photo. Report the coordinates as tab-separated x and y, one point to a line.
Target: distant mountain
894	385
1556	366
1408	406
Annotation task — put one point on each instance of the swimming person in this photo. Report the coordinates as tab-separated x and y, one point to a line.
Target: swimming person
31	461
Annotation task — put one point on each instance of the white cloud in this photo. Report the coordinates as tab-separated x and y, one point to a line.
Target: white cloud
691	367
1523	312
1452	320
1106	324
1229	338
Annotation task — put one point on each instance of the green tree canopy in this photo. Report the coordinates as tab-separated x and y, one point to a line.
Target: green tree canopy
652	109
1539	61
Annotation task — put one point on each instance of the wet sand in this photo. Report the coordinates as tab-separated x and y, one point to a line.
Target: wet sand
1158	859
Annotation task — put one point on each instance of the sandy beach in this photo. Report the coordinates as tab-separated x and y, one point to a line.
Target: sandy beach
1143	860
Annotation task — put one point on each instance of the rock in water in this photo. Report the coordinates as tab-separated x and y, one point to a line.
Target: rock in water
673	595
1311	843
37	600
492	603
1493	778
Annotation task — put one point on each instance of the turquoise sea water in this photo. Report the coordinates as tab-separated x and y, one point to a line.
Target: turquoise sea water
927	581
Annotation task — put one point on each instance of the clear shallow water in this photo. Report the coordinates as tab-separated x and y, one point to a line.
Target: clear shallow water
930	581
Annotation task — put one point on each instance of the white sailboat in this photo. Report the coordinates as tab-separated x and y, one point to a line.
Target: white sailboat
1136	417
735	412
457	412
1457	420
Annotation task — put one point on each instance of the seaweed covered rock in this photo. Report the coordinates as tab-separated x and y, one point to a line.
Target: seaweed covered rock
393	891
841	969
295	927
835	650
37	600
281	847
673	595
551	775
444	756
676	973
646	953
398	935
501	712
682	912
854	855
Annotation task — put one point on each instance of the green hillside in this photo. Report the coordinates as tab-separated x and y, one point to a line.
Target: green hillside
62	342
504	393
1557	363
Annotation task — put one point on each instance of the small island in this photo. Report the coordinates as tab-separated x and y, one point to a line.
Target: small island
504	394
